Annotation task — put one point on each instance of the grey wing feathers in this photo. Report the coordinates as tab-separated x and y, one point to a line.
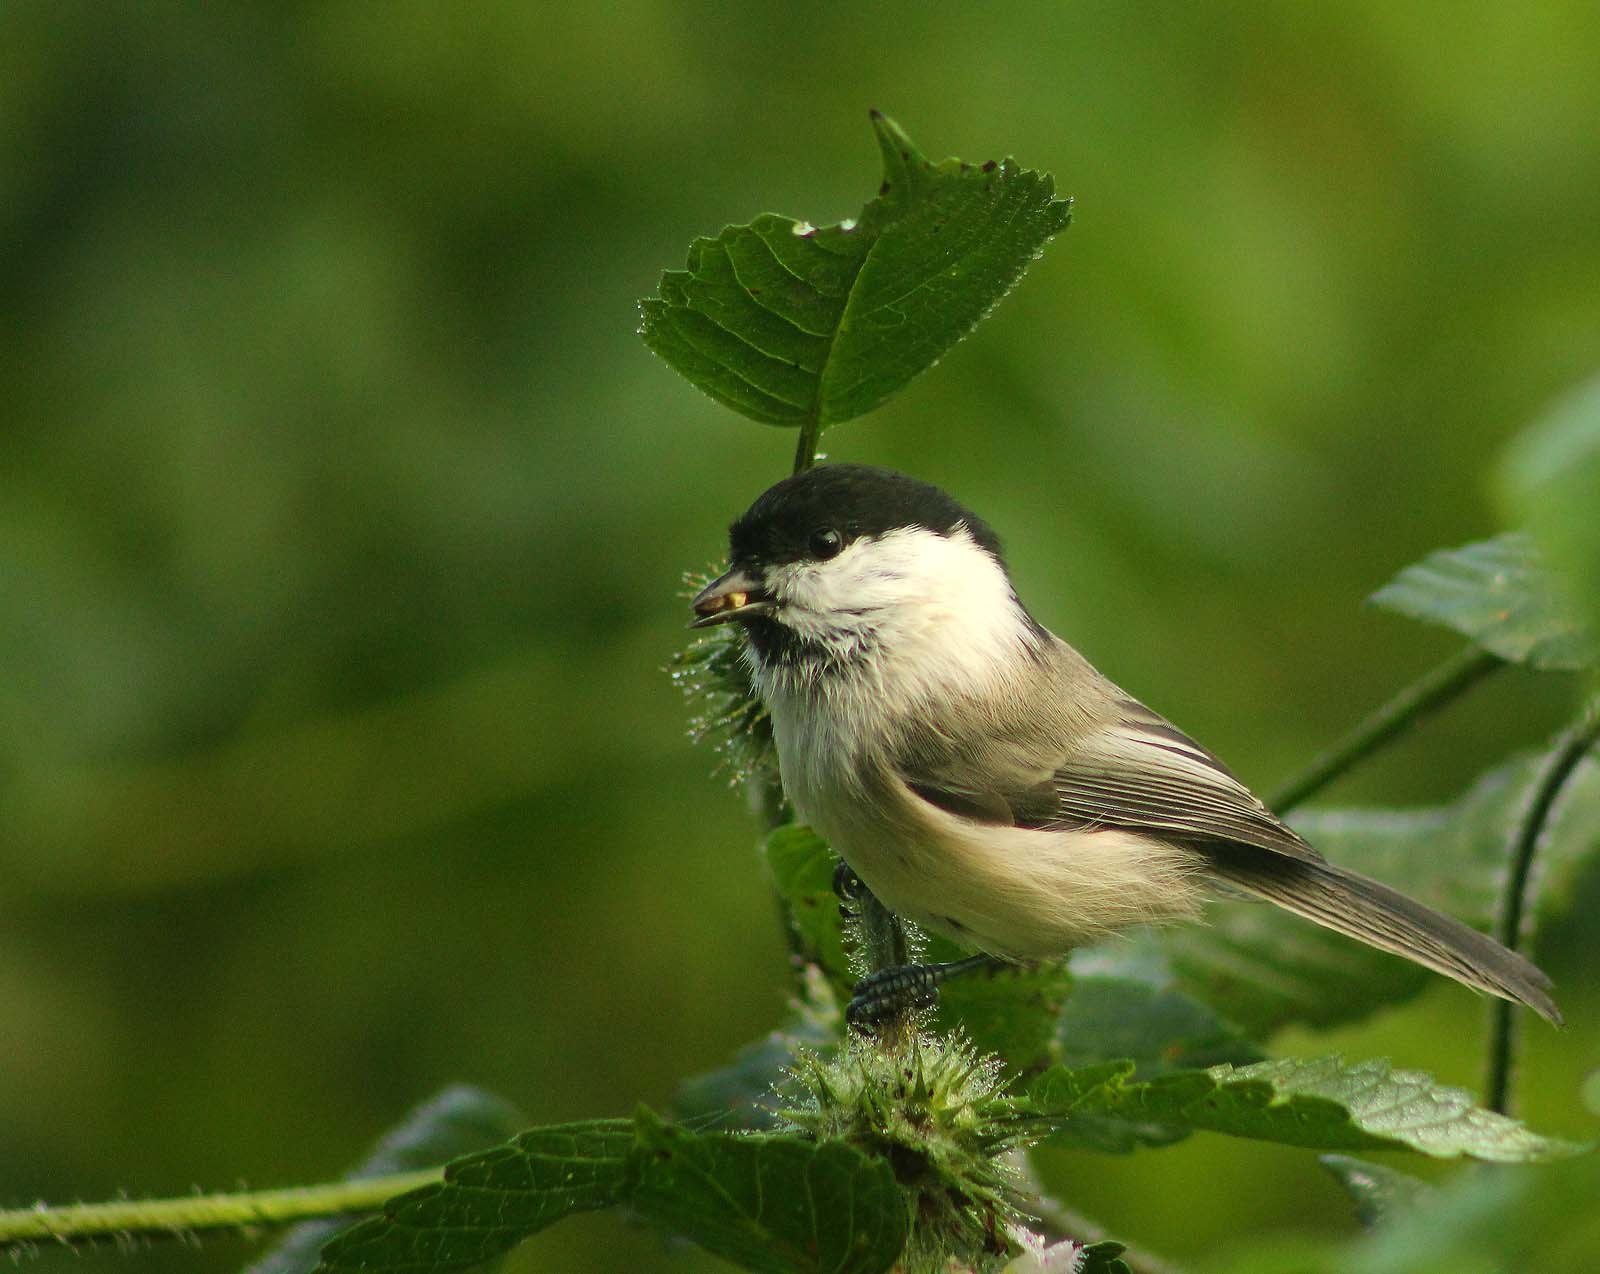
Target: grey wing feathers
1132	769
1140	771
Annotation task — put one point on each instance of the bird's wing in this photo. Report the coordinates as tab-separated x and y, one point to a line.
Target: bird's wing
1133	770
1140	771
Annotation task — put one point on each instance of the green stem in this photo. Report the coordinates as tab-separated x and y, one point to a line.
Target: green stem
1451	679
805	452
177	1218
1559	767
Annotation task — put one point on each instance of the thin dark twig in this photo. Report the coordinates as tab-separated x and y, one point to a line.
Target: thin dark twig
1559	767
1451	679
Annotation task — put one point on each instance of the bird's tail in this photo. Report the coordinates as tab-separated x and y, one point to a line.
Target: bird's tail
1375	914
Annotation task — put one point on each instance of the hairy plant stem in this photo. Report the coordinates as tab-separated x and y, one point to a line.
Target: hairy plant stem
84	1223
1451	679
1559	767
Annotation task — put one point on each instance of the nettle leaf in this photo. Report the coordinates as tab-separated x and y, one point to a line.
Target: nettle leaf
802	867
1126	1005
772	1203
1551	480
793	325
1381	1194
1011	1012
489	1202
1266	969
1322	1103
457	1121
1541	1219
1499	594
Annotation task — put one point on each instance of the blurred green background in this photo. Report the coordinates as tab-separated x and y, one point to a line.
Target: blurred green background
342	515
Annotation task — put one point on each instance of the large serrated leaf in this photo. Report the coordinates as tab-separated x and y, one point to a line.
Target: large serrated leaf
457	1121
1012	1012
793	325
1498	594
489	1202
771	1203
1321	1103
1264	968
1551	481
1126	1006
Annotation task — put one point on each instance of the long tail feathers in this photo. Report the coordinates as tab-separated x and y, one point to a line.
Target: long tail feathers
1375	914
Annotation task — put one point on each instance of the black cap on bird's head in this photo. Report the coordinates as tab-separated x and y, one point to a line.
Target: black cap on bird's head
813	516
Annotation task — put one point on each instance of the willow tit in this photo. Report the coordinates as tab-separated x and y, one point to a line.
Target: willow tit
978	774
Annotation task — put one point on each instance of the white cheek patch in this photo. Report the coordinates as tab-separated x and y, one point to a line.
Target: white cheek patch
910	618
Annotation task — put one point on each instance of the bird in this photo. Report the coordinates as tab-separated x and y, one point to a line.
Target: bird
982	778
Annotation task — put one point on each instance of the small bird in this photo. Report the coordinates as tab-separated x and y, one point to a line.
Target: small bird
981	777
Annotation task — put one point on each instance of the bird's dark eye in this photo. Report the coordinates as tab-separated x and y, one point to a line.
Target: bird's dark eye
826	543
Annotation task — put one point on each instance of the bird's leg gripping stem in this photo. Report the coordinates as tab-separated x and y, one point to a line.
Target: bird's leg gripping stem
889	994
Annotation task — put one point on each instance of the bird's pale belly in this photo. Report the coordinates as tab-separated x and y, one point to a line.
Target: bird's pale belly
1020	893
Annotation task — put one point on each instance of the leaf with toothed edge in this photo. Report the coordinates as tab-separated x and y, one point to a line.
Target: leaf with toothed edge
1498	594
772	1203
488	1203
456	1121
792	324
780	1203
1323	1103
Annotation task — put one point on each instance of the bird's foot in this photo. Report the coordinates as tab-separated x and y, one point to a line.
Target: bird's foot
893	993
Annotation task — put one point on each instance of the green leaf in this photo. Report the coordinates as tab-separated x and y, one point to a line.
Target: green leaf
1322	1103
771	1203
1265	969
1380	1193
794	325
456	1121
802	867
489	1202
1538	1219
1011	1012
1551	481
1498	594
1125	1004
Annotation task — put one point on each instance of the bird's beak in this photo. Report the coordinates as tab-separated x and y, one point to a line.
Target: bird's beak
732	595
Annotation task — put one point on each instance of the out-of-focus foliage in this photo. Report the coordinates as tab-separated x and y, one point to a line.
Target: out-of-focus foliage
1552	479
341	514
1499	594
453	1123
